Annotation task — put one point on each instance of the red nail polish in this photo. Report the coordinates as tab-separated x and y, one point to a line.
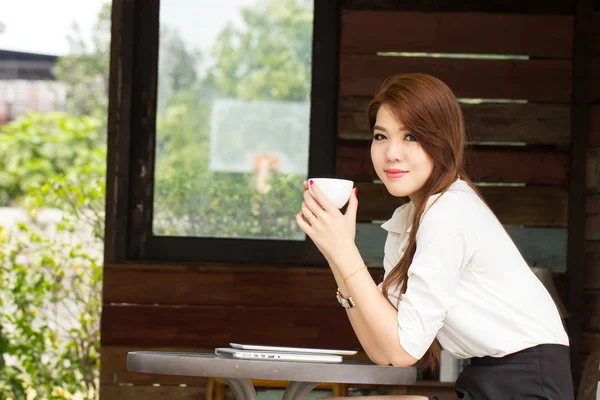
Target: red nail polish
311	182
356	191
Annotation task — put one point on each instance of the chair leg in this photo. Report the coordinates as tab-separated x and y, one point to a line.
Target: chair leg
210	387
298	390
219	391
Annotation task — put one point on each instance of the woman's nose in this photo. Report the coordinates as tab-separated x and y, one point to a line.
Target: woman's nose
393	151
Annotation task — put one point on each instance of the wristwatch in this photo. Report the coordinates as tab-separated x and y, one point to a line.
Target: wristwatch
346	303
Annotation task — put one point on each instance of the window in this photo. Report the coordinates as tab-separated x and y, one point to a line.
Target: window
233	105
233	115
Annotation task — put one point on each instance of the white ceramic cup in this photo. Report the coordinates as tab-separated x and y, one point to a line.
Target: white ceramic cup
338	191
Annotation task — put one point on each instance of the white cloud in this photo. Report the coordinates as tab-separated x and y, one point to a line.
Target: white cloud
42	26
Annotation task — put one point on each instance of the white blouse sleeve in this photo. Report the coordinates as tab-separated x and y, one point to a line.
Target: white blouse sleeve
444	246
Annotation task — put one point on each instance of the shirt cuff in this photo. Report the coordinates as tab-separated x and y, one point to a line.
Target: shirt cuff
414	341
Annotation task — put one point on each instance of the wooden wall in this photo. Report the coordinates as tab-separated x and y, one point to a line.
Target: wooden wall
530	141
521	149
591	276
520	152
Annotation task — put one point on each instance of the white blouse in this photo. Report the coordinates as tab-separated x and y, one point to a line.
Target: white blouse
468	284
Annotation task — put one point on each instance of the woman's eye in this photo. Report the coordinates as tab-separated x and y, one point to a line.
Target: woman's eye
410	137
378	136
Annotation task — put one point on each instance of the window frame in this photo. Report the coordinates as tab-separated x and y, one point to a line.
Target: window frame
132	140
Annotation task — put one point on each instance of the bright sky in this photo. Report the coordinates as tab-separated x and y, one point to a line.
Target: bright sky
42	26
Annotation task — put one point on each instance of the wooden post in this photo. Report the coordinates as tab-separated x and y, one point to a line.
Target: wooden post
118	141
580	123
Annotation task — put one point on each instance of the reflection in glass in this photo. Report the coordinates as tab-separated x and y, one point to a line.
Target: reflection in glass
233	118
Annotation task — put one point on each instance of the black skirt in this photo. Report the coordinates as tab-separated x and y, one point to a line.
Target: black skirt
540	372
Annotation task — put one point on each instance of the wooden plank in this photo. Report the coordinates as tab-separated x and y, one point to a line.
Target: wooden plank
594	137
113	367
142	129
222	286
579	368
260	286
518	165
218	326
118	130
522	206
491	6
590	342
375	203
531	123
534	80
591	273
590	315
592	222
561	283
592	170
118	392
548	36
494	164
541	247
595	79
589	386
596	35
588	318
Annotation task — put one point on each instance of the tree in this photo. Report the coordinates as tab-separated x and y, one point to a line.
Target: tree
269	57
85	71
182	113
36	147
178	66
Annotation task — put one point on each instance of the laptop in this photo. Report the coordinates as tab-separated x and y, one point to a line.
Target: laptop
293	349
276	355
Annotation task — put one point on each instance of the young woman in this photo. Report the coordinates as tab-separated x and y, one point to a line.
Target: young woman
452	273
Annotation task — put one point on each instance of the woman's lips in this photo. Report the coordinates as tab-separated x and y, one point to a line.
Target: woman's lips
395	173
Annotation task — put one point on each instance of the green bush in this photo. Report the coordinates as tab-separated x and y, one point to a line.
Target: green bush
50	301
227	205
51	276
35	147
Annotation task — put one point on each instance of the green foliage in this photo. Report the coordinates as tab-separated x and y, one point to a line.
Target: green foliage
35	147
178	67
227	205
85	71
269	57
182	143
50	301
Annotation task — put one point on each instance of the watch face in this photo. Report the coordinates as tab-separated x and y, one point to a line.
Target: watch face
346	303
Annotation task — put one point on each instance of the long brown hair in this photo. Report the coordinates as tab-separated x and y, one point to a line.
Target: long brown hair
430	112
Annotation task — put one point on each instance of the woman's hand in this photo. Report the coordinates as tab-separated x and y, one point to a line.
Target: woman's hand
332	232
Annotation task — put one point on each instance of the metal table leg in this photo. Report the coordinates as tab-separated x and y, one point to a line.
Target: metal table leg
242	389
298	390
